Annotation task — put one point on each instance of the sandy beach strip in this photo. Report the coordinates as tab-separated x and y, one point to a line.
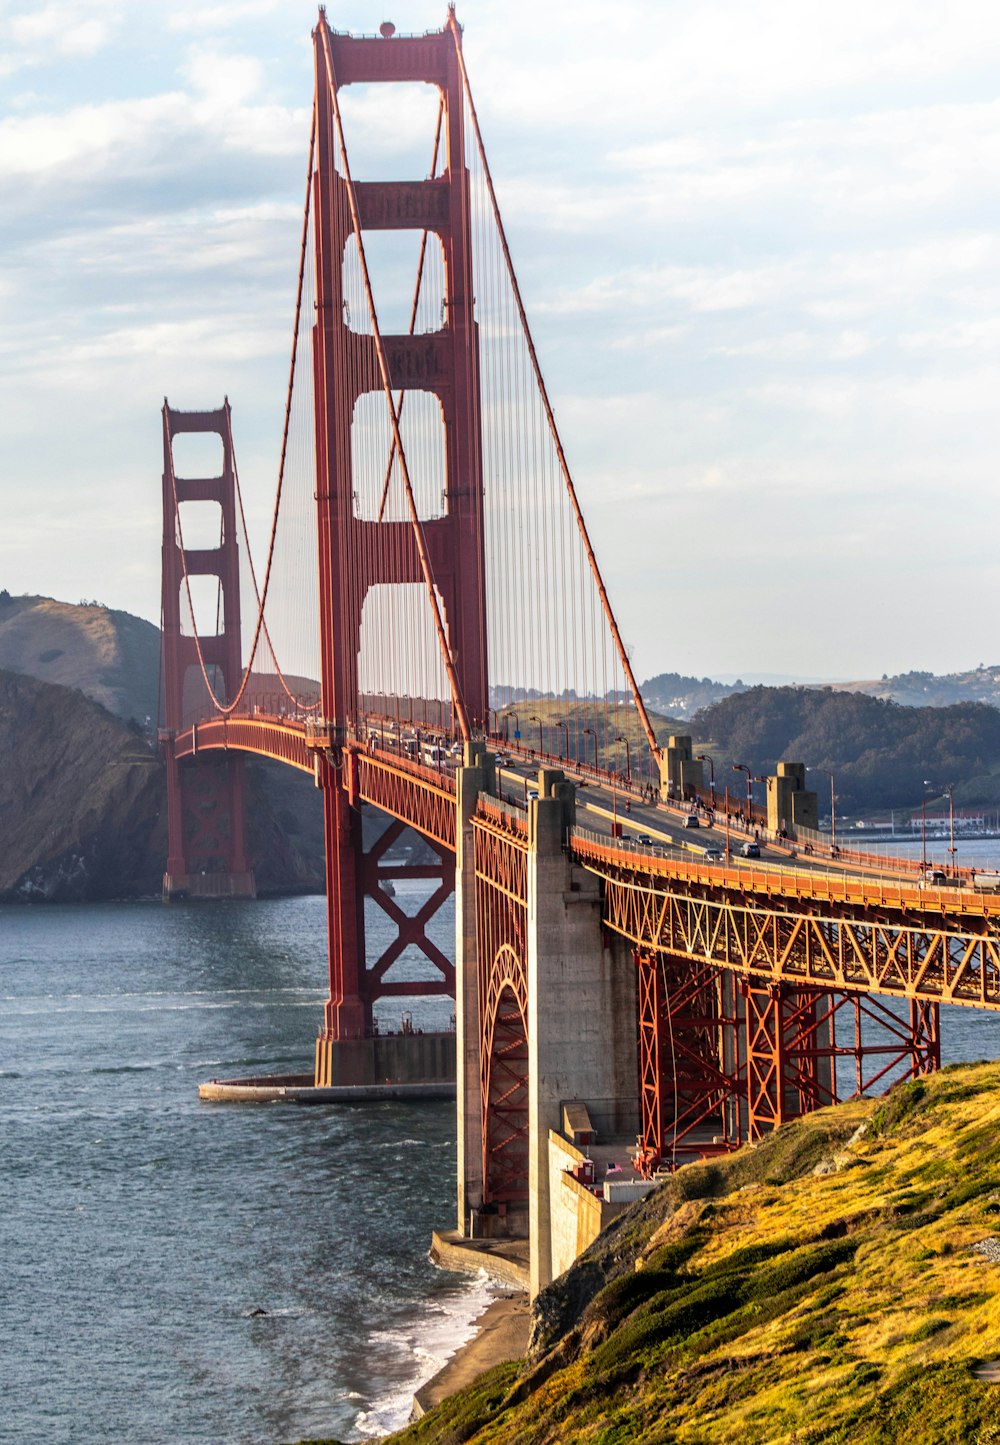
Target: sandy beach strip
501	1334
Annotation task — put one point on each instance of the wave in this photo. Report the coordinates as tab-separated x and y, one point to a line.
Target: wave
416	1350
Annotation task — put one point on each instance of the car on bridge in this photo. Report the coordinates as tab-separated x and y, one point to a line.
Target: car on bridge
691	821
713	855
750	849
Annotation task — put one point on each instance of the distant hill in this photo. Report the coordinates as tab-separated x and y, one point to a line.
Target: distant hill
927	689
80	798
681	696
880	751
83	804
678	696
112	657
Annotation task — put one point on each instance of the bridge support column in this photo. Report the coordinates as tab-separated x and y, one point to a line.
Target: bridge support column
789	1054
474	777
206	846
581	1007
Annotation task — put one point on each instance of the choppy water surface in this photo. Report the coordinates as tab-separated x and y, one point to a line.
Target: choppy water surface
141	1229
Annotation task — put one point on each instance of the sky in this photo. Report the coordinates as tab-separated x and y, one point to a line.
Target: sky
759	245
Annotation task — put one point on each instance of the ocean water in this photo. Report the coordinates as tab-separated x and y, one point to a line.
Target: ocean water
141	1230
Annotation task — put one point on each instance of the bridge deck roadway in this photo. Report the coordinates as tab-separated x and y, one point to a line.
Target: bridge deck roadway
655	849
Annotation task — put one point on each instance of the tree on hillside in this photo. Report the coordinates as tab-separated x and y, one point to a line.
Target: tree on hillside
880	750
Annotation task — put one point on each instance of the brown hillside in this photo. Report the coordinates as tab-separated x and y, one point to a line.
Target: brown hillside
82	806
80	798
111	656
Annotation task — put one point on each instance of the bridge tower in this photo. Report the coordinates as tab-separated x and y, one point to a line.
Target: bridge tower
359	553
206	843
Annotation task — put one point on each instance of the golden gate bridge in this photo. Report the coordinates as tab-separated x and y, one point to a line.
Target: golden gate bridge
429	579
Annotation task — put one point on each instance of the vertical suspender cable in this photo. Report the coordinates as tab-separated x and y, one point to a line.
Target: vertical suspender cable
564	466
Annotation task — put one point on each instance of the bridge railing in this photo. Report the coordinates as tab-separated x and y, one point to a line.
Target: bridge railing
886	887
490	802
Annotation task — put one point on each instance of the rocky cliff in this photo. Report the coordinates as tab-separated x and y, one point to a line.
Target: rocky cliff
83	810
111	656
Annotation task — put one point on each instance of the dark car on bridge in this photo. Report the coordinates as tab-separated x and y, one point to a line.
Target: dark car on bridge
751	850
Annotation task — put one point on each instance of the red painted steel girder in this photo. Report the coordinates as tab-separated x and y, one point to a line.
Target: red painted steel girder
501	931
943	957
266	737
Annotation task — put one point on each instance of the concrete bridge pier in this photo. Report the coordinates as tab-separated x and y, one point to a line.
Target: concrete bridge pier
475	776
581	1012
579	1021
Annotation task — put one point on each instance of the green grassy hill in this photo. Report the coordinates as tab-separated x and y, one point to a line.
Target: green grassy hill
836	1283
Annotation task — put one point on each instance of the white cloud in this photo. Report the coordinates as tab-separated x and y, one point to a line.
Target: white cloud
757	239
223	80
71	30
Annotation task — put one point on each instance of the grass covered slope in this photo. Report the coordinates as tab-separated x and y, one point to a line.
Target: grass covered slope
111	656
835	1283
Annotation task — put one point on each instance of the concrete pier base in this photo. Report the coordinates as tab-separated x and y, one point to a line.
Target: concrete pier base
299	1089
209	885
385	1059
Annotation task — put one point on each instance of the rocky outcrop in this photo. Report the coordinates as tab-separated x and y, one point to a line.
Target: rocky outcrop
81	796
83	805
111	656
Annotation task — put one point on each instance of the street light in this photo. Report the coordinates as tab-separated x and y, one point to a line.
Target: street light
506	725
949	788
706	758
533	717
565	728
621	738
745	768
951	826
593	734
923	826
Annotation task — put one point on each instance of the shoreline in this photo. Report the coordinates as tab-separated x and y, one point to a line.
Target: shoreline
501	1333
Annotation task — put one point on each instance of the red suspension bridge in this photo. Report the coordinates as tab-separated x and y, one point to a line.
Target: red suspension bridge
428	582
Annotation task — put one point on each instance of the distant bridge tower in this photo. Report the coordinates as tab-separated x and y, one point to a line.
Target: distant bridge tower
206	844
359	553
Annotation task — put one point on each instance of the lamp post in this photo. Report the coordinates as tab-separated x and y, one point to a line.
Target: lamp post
565	728
745	768
533	717
923	834
951	827
593	734
923	826
621	738
517	726
707	758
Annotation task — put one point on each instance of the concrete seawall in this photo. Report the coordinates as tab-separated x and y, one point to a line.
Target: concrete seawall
299	1089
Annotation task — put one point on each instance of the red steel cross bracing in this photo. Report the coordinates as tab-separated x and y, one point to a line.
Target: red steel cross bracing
355	554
